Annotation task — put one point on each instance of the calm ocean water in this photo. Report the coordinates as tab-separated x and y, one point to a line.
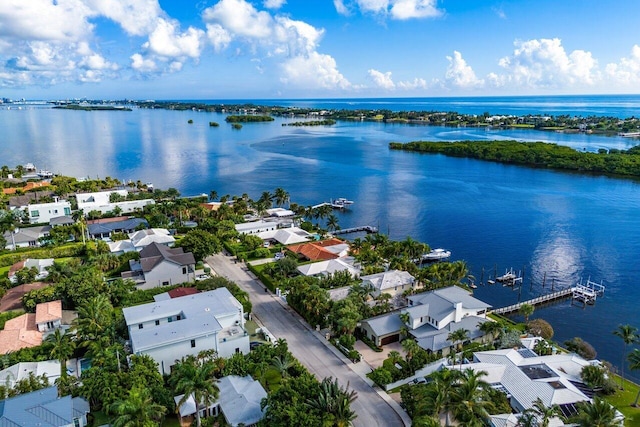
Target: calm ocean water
560	225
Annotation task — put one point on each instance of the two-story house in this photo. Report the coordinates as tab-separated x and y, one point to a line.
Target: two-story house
161	266
170	329
431	317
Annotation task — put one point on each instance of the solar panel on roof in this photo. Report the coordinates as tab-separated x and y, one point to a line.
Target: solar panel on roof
527	353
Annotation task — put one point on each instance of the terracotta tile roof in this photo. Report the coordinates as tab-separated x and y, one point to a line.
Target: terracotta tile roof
12	300
20	332
48	311
315	251
29	186
182	291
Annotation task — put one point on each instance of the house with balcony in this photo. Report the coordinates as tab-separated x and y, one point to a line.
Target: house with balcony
41	213
170	329
392	282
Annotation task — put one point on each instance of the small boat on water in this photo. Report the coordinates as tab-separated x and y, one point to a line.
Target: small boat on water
438	254
340	203
45	173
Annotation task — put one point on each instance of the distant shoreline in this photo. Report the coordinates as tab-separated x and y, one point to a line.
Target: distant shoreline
91	107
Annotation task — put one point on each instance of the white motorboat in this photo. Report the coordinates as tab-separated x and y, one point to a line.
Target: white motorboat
436	255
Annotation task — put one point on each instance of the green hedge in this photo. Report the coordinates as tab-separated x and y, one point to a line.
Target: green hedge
265	279
69	250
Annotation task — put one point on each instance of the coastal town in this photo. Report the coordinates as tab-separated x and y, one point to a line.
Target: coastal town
126	302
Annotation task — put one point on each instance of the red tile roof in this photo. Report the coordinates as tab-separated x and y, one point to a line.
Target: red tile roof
182	292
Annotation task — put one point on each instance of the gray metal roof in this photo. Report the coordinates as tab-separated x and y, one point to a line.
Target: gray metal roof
433	339
240	399
441	301
41	408
385	324
389	279
126	225
198	314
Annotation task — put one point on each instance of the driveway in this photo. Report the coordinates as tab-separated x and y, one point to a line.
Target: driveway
304	344
375	359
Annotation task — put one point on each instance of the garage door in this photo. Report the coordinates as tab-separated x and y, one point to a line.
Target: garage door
390	339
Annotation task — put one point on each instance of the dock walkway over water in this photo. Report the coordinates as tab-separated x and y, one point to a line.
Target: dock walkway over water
586	294
367	228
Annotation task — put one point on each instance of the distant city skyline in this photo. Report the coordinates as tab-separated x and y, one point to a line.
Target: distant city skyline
270	49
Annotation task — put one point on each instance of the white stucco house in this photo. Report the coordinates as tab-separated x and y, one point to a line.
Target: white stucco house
39	264
99	201
39	213
161	266
170	329
256	227
141	239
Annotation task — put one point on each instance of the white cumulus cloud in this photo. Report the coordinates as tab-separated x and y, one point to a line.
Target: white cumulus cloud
417	83
274	4
396	9
544	63
145	65
314	71
460	74
382	80
627	71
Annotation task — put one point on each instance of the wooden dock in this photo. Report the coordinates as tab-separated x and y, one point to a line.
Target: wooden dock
563	294
369	229
587	294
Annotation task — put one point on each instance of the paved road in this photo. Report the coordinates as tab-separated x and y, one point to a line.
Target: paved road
283	322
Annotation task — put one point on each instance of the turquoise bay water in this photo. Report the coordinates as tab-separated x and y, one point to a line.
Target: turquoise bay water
565	226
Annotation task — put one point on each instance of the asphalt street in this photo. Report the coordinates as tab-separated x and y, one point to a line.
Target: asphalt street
283	322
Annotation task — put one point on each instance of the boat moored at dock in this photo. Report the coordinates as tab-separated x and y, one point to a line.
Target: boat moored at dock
438	254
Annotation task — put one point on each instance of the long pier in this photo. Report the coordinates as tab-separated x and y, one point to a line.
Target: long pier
565	293
368	228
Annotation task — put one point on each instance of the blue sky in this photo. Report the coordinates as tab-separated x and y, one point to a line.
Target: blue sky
248	49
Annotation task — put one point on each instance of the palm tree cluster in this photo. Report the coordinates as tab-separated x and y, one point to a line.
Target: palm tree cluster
459	395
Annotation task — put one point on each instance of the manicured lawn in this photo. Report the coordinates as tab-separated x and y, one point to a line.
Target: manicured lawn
623	399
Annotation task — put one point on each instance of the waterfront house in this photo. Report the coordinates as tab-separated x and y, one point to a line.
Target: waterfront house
524	376
161	266
286	236
100	201
44	408
102	228
392	282
432	317
170	329
256	227
239	402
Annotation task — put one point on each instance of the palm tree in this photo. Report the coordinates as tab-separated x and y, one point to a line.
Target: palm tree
543	413
526	310
96	322
335	401
597	414
634	364
491	329
629	335
439	397
194	378
281	196
137	410
411	348
469	399
458	337
62	349
282	364
213	195
332	223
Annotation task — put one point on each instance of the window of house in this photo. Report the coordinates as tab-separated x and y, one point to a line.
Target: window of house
184	270
157	322
193	343
178	317
67	211
140	326
35	214
237	350
165	283
169	319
